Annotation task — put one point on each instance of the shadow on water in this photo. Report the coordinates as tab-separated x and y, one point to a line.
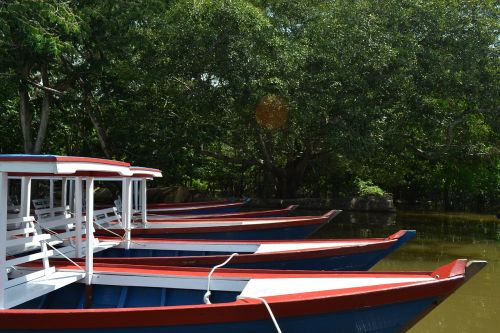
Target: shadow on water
440	239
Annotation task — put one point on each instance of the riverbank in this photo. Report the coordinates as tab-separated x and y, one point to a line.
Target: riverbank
451	216
362	204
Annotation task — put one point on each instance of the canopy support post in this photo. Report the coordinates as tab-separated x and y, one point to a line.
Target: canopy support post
64	192
51	196
126	208
144	201
136	194
4	194
78	215
89	231
25	196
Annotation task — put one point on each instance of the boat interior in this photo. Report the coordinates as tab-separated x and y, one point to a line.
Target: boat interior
138	288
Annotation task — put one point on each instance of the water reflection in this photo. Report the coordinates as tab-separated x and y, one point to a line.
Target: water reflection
440	238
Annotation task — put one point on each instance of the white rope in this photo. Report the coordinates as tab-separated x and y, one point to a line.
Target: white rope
206	297
53	233
271	314
64	256
118	235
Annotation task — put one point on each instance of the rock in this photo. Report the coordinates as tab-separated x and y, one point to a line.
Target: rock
372	204
368	204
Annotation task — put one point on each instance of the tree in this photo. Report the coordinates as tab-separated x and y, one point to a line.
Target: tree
36	40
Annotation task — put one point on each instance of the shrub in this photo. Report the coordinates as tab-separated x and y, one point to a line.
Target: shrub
367	188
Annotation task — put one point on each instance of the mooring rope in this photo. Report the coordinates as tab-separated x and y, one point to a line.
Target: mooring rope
268	307
64	256
206	297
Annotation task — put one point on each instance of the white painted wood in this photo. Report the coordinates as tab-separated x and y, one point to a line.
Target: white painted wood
24	292
195	225
57	221
4	194
89	239
72	191
186	246
31	240
26	275
21	231
25	196
78	213
41	203
17	220
274	287
64	192
127	208
279	247
51	195
135	196
62	168
144	201
50	213
29	257
163	281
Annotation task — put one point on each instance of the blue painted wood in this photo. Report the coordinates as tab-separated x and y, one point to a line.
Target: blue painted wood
376	319
277	233
208	210
348	262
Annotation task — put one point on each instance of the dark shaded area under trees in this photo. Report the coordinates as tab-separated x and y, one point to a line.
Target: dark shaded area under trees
402	93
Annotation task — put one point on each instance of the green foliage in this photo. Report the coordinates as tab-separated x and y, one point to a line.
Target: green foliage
401	92
367	188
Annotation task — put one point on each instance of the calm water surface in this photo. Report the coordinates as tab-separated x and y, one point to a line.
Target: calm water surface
440	238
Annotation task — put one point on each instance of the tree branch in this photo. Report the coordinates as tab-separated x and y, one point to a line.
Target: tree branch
44	88
229	159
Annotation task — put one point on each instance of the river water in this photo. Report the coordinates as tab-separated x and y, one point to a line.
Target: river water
440	238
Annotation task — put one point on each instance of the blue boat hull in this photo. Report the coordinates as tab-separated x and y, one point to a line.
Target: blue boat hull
347	262
376	319
218	210
300	232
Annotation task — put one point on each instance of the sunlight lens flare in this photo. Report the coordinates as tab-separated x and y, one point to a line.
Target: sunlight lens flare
271	111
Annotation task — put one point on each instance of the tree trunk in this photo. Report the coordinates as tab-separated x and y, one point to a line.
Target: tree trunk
25	111
101	133
26	116
291	176
44	116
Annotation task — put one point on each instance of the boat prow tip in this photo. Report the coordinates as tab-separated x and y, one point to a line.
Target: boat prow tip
473	267
403	233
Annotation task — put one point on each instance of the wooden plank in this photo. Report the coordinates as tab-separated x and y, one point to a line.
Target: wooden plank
20	220
54	210
199	283
35	274
21	231
26	291
57	222
28	258
27	240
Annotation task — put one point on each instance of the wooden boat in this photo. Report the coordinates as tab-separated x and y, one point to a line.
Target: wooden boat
149	299
203	208
298	227
318	254
187	204
257	213
38	294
